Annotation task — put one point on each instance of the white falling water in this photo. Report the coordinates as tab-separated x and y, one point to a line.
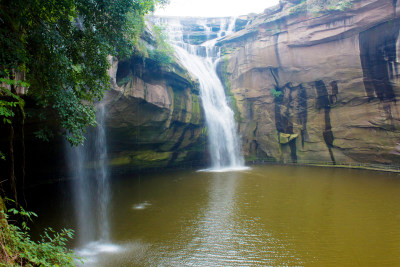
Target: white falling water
92	191
101	174
201	61
81	189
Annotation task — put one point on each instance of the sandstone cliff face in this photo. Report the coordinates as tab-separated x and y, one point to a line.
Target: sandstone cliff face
330	77
309	81
154	116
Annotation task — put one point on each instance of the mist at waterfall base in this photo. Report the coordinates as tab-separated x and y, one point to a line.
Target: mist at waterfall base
201	61
91	190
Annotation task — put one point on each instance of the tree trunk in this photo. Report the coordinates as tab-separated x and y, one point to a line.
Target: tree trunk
12	164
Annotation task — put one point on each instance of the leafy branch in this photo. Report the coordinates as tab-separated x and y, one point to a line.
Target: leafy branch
9	100
16	246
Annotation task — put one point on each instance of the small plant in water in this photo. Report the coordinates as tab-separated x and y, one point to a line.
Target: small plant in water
17	248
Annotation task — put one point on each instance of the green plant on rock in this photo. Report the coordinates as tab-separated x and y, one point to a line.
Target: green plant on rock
340	6
227	85
163	51
124	80
17	248
160	56
298	9
317	10
275	93
204	131
141	49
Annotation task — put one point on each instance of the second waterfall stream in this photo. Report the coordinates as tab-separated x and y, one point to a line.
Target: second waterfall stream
201	60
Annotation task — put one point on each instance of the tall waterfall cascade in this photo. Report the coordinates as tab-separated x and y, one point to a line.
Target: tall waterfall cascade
201	60
91	185
101	174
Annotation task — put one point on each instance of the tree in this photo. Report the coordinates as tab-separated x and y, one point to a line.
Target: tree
59	49
62	46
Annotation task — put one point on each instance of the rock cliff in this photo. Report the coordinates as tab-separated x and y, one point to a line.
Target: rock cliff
154	114
317	81
309	81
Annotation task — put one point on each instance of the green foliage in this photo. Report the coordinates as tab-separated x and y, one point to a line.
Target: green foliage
141	49
340	6
204	131
124	80
44	134
74	115
227	86
2	156
163	51
162	38
226	51
62	47
160	56
8	100
18	248
302	7
298	9
275	93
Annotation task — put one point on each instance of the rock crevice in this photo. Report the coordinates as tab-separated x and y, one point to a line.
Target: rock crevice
331	77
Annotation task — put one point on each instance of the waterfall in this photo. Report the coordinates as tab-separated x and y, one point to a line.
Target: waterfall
201	61
91	186
101	174
81	190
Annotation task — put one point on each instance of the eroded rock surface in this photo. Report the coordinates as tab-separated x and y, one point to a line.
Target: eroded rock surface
154	116
331	77
310	81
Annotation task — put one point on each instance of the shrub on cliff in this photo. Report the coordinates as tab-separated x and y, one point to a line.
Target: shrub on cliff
163	51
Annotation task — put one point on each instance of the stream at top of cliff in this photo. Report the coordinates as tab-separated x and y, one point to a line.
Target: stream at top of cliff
268	215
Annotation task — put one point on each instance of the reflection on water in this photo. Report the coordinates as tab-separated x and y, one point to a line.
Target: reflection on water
223	238
215	227
141	206
271	215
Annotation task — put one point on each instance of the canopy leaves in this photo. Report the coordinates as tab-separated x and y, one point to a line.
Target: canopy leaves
62	47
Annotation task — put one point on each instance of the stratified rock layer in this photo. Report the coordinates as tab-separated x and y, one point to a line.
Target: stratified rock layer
331	77
154	116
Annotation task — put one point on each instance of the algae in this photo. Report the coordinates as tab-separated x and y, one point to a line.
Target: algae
224	75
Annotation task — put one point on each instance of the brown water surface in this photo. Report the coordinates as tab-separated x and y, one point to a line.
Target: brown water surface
266	216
